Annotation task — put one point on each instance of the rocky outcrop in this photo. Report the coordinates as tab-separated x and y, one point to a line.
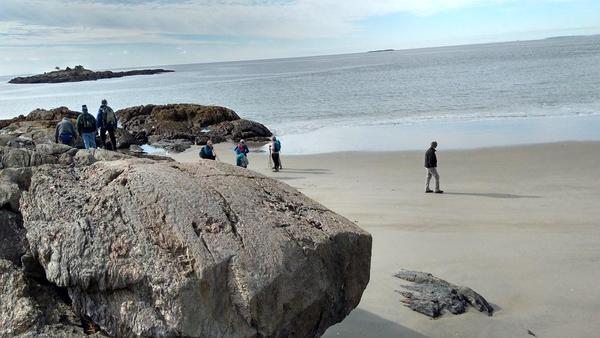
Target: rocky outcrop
433	296
38	127
177	126
79	74
173	127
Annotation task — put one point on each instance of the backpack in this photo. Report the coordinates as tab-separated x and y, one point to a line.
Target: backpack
277	147
242	160
88	123
203	153
109	118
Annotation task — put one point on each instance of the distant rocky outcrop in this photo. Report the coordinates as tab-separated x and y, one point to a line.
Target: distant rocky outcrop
79	73
433	296
103	243
178	126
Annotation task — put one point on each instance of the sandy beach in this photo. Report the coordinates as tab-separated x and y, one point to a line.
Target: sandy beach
519	225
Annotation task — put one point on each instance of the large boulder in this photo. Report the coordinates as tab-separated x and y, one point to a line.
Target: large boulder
176	123
204	250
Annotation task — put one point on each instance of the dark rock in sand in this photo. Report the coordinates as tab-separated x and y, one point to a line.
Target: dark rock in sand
78	74
433	296
179	125
204	250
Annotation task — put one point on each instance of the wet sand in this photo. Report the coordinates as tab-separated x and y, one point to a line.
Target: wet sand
520	225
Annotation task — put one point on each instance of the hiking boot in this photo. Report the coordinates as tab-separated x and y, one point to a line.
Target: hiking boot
428	191
439	191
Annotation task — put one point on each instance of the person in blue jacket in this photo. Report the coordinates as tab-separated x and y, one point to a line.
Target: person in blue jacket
208	152
275	148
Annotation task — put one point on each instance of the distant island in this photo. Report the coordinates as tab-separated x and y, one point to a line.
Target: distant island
381	50
78	73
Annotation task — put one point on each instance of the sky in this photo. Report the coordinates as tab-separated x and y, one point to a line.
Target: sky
37	35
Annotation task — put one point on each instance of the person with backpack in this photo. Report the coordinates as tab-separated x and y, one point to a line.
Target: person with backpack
65	132
86	128
274	149
208	152
106	121
241	151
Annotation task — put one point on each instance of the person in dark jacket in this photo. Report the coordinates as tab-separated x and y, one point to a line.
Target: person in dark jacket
86	127
208	152
65	132
431	168
107	122
274	149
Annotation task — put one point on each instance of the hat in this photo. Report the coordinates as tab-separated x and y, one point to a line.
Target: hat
242	141
84	108
104	101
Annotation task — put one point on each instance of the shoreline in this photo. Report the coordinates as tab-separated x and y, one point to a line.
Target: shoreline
454	135
517	224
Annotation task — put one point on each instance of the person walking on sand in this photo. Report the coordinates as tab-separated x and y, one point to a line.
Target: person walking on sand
208	151
241	151
107	122
431	168
65	132
275	148
86	128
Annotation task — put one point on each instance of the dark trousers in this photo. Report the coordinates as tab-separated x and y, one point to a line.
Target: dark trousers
276	161
111	133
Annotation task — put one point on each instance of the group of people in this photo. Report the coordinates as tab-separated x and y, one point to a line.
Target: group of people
87	127
241	153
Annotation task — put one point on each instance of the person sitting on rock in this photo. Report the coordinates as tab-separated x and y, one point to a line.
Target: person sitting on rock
107	122
86	127
208	151
275	148
65	132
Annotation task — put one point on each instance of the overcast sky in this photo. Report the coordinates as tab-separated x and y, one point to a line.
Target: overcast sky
36	35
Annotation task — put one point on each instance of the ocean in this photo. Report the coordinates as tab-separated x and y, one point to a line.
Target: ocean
463	96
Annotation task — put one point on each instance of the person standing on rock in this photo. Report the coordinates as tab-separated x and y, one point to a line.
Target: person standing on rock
208	151
431	168
86	127
65	132
274	149
107	122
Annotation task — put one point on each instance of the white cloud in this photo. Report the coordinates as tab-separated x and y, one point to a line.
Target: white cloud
78	21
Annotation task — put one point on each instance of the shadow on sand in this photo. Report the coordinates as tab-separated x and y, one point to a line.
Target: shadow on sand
490	195
361	324
306	171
